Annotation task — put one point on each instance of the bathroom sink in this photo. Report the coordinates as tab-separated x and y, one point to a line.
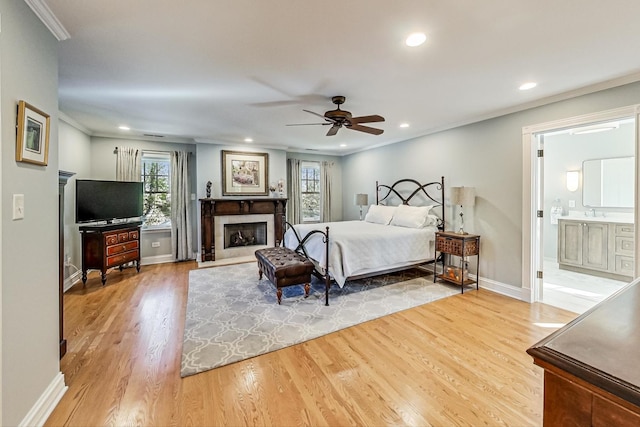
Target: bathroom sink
616	217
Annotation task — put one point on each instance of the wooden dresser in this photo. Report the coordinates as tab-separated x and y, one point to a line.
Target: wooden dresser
591	375
107	246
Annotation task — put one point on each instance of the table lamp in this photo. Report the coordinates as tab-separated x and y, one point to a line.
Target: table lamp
361	200
463	196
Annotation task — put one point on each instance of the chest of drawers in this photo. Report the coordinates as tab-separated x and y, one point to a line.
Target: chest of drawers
108	246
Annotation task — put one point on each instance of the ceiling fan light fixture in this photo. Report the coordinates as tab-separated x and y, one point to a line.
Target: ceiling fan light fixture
415	39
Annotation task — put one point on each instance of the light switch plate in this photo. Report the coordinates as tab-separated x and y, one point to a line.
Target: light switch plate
18	206
572	203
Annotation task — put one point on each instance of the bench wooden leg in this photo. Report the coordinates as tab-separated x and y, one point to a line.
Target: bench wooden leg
279	294
307	286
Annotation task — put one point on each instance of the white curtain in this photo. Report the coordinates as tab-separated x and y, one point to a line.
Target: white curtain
181	240
294	193
128	164
326	183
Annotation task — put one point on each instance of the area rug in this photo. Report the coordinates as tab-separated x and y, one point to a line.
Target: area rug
232	316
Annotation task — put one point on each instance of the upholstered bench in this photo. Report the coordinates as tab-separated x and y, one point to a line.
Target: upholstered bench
284	267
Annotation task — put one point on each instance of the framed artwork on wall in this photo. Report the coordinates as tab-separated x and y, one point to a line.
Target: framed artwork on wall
32	140
244	174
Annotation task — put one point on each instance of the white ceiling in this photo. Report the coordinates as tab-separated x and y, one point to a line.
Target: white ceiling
220	71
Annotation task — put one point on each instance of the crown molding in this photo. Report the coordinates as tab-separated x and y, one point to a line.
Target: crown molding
47	17
68	120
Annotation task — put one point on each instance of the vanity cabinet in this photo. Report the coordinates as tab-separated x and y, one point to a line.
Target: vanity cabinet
596	247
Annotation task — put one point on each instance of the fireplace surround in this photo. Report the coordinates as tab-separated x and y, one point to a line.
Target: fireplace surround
215	213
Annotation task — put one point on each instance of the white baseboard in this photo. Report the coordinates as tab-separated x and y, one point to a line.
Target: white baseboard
72	280
156	259
504	289
47	402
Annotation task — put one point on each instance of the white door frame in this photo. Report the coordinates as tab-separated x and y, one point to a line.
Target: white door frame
532	188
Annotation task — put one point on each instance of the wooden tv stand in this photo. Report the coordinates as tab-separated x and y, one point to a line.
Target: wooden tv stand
110	245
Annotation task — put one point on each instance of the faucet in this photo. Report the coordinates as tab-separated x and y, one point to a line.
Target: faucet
592	212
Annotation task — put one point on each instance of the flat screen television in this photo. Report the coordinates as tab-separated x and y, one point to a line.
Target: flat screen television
107	200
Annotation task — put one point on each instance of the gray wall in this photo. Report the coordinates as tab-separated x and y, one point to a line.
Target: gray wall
74	153
486	155
565	152
30	345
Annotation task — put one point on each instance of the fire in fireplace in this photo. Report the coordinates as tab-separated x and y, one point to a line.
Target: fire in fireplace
245	234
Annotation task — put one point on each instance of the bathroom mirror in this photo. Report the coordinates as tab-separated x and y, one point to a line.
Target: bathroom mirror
608	183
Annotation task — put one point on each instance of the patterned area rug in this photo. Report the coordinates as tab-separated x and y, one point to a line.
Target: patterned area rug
232	316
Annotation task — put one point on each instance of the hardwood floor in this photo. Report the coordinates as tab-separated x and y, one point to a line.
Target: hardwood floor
456	361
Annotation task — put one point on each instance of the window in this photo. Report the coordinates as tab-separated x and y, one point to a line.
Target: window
156	175
310	189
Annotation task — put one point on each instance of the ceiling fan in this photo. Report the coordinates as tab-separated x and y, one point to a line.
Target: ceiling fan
338	118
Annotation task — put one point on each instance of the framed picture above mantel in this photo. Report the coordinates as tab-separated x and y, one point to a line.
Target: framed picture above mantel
32	139
245	174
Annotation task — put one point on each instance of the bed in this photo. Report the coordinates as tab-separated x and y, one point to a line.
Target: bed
398	232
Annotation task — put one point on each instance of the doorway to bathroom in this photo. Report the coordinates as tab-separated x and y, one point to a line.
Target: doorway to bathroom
583	181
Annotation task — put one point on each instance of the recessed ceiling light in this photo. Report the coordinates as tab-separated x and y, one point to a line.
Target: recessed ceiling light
528	85
343	145
124	128
248	140
404	125
415	39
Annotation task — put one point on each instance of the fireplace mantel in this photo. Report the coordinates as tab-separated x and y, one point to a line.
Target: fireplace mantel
211	208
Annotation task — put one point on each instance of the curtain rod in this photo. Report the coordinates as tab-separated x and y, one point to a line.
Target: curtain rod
154	151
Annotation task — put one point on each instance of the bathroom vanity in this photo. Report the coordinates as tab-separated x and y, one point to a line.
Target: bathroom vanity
601	246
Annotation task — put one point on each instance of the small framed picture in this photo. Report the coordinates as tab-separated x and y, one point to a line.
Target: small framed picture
32	142
244	173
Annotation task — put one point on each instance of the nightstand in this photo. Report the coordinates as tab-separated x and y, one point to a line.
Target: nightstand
449	244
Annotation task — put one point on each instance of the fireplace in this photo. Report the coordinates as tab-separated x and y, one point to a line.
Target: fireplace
216	215
256	232
245	234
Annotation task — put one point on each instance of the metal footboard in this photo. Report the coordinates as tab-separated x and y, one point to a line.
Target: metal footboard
300	248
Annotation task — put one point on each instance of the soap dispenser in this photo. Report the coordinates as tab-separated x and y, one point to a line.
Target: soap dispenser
556	211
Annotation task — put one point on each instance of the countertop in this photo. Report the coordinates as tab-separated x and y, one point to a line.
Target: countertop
615	217
601	346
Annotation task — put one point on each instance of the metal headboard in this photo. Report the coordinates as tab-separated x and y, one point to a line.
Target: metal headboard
429	190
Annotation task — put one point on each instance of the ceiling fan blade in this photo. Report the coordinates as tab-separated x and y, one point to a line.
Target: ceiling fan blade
333	130
307	124
320	115
366	119
366	129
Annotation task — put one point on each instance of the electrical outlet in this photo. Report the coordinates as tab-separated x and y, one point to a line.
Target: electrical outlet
572	203
155	244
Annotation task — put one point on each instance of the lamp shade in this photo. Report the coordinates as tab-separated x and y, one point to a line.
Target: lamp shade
464	196
361	199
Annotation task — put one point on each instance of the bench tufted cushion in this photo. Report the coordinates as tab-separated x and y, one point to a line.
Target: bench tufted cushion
284	267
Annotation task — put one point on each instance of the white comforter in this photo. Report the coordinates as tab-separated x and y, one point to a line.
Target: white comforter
360	247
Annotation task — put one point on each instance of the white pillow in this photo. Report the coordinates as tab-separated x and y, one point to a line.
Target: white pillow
380	214
411	216
432	220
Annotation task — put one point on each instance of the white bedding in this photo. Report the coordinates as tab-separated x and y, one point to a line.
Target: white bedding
360	247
